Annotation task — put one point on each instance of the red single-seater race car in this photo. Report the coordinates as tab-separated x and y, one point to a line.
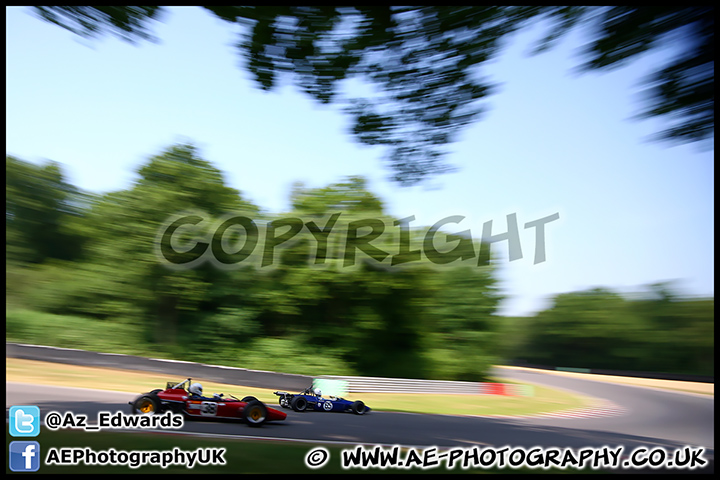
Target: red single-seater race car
188	403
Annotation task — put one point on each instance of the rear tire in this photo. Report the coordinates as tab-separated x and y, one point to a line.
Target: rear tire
299	404
146	405
255	413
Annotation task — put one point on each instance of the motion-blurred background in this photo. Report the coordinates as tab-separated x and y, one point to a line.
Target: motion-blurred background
107	139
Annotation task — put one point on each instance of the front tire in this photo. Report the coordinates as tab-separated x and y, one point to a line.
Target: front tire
255	414
249	399
358	408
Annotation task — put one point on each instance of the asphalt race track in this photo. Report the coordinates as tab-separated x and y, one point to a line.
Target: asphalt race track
648	418
666	416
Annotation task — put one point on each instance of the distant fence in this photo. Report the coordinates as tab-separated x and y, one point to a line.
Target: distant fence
290	382
407	385
256	378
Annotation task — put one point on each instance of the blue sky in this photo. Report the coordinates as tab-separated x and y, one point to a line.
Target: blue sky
631	212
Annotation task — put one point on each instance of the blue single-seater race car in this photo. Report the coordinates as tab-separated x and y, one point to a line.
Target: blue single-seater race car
312	399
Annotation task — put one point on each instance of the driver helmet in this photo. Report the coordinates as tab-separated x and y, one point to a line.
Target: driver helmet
196	389
318	392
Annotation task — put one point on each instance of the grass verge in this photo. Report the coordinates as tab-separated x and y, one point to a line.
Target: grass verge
543	400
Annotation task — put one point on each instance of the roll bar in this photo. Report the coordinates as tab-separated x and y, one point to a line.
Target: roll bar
170	384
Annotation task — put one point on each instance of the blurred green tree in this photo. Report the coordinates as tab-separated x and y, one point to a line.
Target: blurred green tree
120	276
372	318
92	259
465	340
601	329
591	329
41	210
416	320
423	62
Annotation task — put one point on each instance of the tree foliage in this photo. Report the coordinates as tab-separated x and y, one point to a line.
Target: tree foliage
82	268
423	64
128	23
368	320
41	209
601	329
